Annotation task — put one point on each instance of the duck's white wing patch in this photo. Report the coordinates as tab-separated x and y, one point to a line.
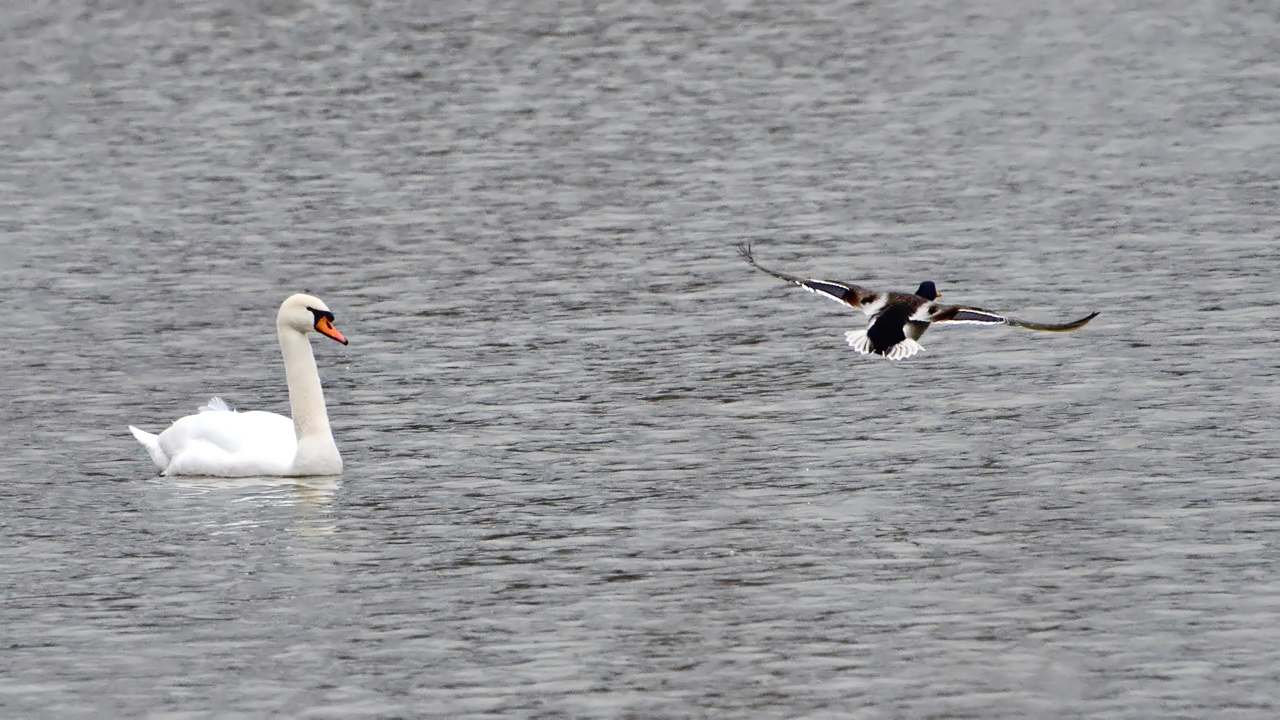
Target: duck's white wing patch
874	303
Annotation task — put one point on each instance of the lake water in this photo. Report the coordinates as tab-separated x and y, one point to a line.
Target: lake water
596	466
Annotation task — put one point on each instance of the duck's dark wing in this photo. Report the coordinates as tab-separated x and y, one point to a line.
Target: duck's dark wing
960	314
841	292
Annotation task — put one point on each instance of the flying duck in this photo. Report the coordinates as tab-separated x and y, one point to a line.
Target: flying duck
897	320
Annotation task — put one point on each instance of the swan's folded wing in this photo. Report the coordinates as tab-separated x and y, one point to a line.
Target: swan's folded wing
232	432
963	315
841	292
229	444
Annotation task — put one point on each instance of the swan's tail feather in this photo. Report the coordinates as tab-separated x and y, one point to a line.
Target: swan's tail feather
215	404
152	444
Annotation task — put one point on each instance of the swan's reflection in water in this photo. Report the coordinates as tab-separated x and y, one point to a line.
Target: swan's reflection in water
312	498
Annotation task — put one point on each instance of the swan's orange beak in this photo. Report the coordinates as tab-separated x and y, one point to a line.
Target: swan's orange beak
324	326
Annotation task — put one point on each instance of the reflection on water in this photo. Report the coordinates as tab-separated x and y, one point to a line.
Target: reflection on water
282	490
595	465
310	500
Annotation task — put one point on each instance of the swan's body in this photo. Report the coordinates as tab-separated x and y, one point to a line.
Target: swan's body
223	443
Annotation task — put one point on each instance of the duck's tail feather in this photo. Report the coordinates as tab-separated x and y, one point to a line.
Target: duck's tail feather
901	350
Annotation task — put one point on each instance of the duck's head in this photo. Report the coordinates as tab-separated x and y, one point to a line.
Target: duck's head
305	313
928	290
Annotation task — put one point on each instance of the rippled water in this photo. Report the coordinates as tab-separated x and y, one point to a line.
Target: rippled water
596	465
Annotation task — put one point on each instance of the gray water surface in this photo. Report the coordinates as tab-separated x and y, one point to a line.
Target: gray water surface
596	466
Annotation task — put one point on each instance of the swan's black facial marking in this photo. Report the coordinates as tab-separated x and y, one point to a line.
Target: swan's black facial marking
321	314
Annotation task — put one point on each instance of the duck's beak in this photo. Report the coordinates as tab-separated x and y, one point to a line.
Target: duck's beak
324	326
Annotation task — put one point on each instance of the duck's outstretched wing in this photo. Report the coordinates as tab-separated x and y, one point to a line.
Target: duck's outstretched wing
841	292
1052	327
959	314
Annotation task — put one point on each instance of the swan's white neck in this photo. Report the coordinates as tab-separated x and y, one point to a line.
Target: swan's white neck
317	453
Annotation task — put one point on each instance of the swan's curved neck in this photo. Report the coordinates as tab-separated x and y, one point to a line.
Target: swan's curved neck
306	399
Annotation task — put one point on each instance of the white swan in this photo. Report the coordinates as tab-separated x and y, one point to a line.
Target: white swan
223	443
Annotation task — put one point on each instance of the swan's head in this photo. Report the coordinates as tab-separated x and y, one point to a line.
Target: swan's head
305	313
